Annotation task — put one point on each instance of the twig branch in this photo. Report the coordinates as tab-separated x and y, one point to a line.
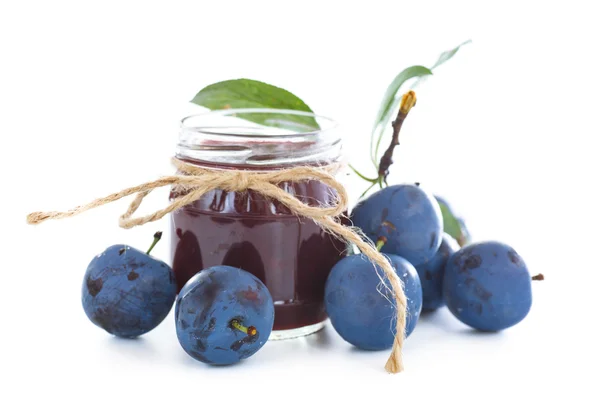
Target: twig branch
409	99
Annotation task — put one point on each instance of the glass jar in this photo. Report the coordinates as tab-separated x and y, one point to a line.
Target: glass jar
290	254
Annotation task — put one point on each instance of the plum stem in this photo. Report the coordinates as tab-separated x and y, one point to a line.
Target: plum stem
538	277
248	330
409	99
380	242
157	237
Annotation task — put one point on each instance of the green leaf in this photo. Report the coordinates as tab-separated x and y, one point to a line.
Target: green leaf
453	225
361	175
367	190
391	101
248	93
445	56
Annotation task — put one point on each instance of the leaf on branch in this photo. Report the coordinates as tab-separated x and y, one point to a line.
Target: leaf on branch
391	98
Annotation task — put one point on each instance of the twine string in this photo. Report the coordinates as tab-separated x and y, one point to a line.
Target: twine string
195	181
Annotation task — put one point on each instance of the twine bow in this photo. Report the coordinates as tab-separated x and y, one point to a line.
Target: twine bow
197	181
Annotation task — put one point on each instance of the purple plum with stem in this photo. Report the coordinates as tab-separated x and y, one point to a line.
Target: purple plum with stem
128	292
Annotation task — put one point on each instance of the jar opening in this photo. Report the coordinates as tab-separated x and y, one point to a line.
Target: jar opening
259	137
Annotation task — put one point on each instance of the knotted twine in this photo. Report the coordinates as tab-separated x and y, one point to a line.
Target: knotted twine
197	181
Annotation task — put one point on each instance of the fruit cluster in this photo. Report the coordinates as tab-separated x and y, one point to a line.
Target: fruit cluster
486	285
225	314
222	314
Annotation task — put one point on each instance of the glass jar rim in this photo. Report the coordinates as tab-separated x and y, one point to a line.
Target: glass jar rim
225	137
233	112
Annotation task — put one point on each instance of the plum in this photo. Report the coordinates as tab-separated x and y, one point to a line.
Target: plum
361	309
127	292
431	273
406	218
223	314
487	286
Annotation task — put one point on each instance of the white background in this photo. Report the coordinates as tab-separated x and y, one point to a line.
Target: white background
90	98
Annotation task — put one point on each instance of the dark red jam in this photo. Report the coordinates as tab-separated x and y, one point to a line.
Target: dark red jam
291	255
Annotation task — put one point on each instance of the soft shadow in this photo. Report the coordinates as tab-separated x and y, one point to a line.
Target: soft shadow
138	347
439	320
474	332
428	315
320	339
355	349
191	362
442	319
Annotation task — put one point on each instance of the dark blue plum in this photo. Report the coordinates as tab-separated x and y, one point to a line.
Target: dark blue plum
487	286
406	217
223	315
432	273
361	309
127	292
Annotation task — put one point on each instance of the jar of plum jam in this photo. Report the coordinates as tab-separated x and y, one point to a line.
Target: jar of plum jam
290	254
